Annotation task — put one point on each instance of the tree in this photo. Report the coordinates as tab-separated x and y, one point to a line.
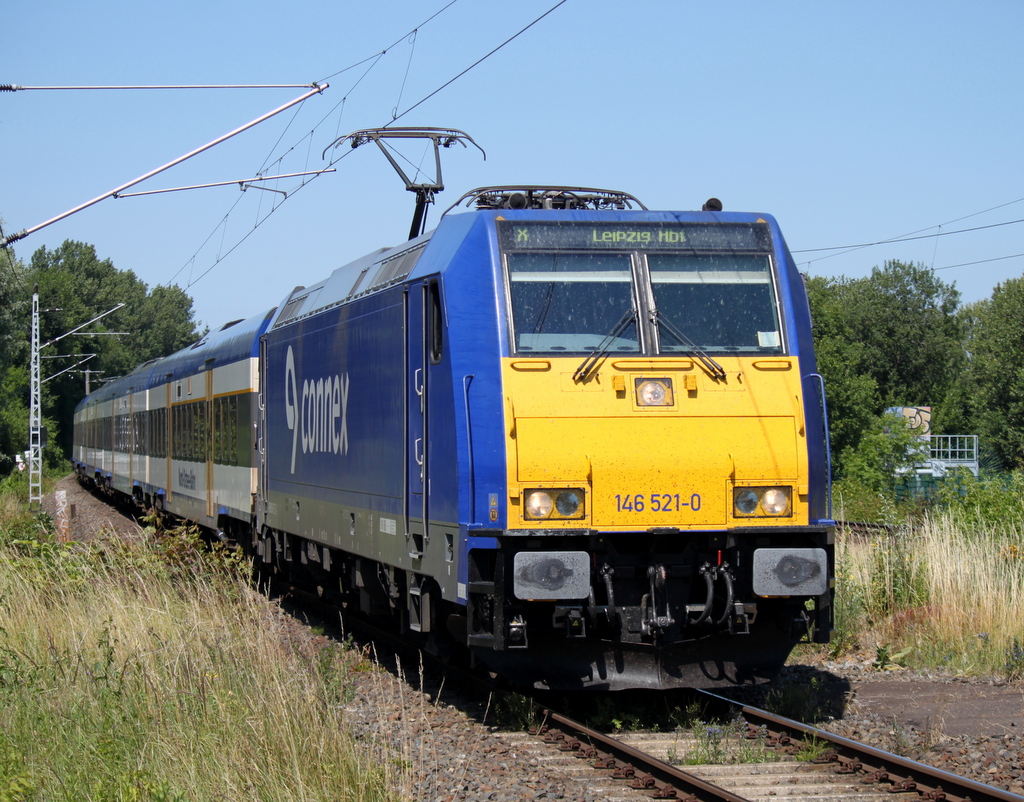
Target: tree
15	314
906	318
996	344
77	286
889	447
852	395
891	339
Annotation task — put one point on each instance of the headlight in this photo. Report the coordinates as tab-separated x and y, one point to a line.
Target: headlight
554	504
654	392
775	501
568	503
762	502
538	504
745	501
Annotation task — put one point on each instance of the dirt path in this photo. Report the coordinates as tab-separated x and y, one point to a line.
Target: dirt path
89	515
948	707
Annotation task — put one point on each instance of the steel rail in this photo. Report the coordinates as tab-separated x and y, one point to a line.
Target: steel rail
672	776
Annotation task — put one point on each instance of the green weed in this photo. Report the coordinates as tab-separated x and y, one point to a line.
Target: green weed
515	711
728	742
800	701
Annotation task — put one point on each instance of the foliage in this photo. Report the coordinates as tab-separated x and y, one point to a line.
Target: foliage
887	448
898	575
886	659
811	749
75	285
996	345
856	502
1015	660
14	404
850	605
942	595
995	501
891	339
853	395
727	742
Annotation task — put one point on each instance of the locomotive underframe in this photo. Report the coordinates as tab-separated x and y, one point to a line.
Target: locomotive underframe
675	608
661	609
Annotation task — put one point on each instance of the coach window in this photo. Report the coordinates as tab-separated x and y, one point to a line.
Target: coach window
436	322
233	429
218	430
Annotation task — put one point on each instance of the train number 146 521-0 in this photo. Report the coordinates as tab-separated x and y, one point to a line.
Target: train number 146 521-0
657	502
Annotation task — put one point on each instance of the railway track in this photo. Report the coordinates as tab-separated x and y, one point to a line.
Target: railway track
624	767
842	769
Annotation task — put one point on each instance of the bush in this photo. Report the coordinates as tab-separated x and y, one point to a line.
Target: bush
996	501
888	448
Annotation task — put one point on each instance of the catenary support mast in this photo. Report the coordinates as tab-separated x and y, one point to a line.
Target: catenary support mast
35	418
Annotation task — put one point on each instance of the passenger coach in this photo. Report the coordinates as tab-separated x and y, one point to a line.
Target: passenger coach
178	434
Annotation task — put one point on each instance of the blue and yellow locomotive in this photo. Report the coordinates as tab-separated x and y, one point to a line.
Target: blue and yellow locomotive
584	439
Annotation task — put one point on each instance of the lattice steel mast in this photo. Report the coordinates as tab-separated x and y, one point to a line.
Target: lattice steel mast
35	417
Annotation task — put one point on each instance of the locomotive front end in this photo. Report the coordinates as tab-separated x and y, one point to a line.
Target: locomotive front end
666	518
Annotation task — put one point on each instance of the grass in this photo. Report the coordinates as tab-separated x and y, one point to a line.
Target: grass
942	594
727	742
152	671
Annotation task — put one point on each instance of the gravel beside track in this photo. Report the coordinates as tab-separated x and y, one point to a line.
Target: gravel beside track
442	748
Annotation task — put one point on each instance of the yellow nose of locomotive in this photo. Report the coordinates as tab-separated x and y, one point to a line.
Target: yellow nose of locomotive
654	443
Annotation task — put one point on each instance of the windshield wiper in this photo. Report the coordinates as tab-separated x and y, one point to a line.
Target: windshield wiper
587	365
712	367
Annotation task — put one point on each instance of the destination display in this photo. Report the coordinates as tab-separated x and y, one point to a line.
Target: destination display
525	235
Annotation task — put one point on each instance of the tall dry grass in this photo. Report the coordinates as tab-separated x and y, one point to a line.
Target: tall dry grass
946	593
137	672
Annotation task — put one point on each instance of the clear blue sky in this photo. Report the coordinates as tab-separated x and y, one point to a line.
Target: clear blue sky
850	123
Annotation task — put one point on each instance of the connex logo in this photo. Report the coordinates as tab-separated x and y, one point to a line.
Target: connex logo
317	418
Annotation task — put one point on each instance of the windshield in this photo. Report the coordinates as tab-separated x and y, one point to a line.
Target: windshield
569	302
720	302
621	287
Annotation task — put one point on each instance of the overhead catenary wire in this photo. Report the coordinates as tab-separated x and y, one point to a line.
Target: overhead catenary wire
908	238
16	88
982	261
478	61
903	237
398	41
375	59
405	78
112	193
241	183
940	233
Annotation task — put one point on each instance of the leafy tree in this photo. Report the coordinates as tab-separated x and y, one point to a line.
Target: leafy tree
853	396
75	285
14	344
996	344
907	320
893	338
888	448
